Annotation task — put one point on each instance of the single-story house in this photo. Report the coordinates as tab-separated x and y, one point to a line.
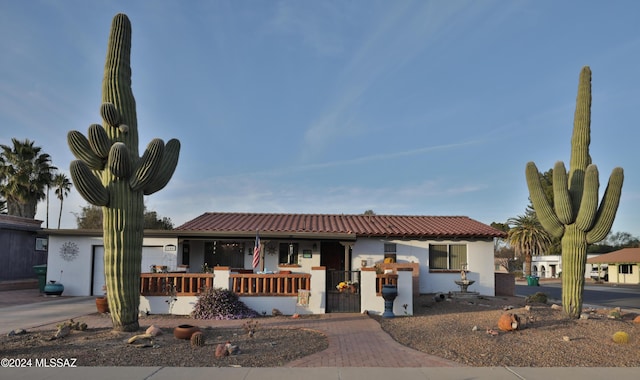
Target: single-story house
24	244
550	266
309	252
623	265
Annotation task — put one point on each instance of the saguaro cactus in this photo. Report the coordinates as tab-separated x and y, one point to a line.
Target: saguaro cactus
576	217
108	172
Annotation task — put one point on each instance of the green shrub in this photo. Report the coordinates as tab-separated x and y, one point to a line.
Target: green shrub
216	303
538	297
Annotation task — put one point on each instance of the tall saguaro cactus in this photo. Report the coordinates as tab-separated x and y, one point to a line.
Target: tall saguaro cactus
576	217
108	172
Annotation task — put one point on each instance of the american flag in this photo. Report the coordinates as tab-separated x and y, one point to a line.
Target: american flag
256	251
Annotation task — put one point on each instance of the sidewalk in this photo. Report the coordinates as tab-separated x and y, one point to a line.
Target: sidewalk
358	349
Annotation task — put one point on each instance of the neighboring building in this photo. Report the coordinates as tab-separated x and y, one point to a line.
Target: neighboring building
436	248
623	265
550	266
23	245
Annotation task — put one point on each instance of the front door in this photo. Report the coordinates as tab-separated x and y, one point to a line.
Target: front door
343	291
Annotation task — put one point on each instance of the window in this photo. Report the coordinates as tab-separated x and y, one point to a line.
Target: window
389	252
288	253
41	244
221	253
447	256
626	269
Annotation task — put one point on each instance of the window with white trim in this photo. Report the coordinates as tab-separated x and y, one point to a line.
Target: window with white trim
447	256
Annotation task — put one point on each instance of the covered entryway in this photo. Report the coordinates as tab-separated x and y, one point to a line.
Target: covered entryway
343	291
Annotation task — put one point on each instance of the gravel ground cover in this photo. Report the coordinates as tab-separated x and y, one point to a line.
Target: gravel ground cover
462	330
466	331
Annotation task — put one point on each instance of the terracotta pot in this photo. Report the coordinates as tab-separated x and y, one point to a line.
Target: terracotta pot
508	322
184	331
102	305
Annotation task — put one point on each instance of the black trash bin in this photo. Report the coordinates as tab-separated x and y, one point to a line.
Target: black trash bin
41	271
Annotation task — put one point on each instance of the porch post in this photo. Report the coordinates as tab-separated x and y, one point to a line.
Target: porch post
347	262
262	255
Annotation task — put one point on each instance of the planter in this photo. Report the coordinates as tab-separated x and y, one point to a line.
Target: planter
389	294
102	305
53	289
184	331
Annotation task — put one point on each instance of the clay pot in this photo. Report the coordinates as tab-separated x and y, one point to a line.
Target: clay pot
102	305
508	322
184	331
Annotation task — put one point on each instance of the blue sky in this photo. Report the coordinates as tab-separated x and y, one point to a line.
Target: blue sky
402	107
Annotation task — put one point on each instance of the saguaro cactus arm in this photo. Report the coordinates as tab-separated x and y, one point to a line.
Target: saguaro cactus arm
81	148
88	185
166	168
608	207
148	165
561	196
589	204
546	215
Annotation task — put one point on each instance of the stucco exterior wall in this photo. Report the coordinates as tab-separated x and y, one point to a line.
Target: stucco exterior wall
624	278
479	258
76	271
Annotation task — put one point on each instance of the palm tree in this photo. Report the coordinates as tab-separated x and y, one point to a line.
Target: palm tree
527	237
63	186
25	173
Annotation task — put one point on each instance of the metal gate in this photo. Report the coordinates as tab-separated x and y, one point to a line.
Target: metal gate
343	291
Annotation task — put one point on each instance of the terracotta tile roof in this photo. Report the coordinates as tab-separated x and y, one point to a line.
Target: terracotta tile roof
360	225
623	256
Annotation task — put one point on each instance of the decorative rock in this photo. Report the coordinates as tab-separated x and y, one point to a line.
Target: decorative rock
556	307
138	337
17	332
475	328
566	338
232	349
153	330
584	316
492	332
636	319
221	351
508	322
295	316
527	308
62	332
509	307
276	313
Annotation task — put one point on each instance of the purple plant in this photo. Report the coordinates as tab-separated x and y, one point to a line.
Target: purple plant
216	303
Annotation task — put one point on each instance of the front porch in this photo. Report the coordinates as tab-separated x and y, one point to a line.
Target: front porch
291	293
